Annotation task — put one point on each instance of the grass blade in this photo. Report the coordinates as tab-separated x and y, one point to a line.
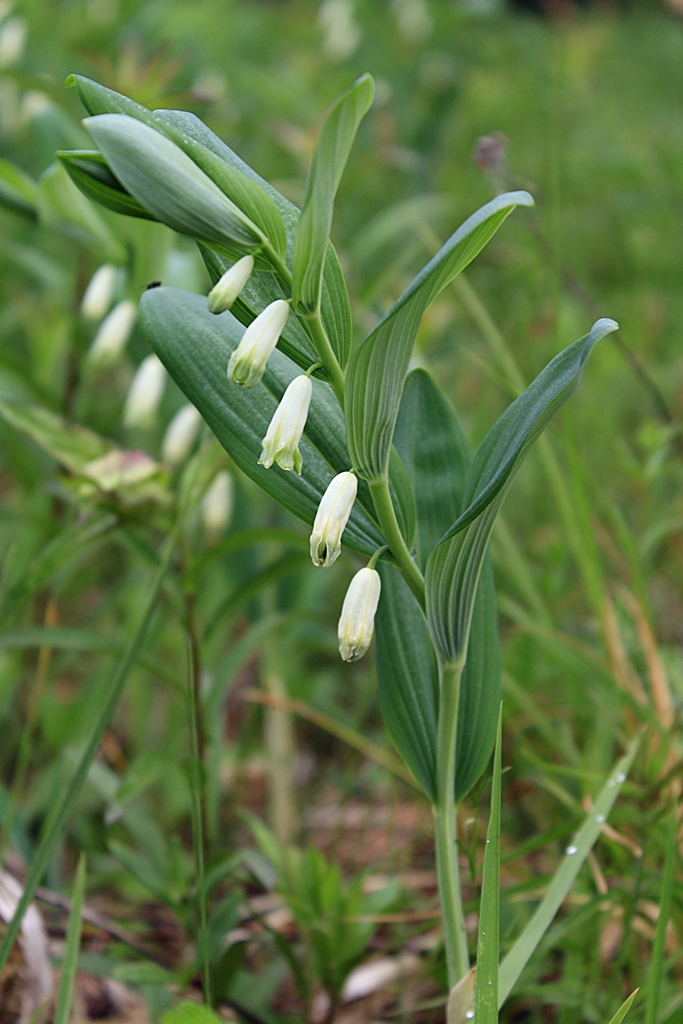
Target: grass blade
49	843
624	1008
518	957
657	965
73	944
486	998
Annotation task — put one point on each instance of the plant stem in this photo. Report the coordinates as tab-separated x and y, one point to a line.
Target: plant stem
321	342
394	538
455	938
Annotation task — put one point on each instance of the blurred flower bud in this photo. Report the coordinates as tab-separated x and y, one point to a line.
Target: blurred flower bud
180	435
331	518
225	291
357	620
248	362
145	393
281	443
119	469
113	333
342	34
12	41
217	503
99	293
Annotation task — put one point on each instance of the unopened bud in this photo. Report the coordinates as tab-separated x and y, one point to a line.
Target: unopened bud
180	435
281	443
357	620
99	293
248	362
145	393
218	502
331	518
225	291
113	333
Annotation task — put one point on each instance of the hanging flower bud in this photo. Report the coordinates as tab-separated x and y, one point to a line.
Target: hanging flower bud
99	293
281	443
248	362
331	518
180	435
113	333
218	502
145	393
225	291
357	620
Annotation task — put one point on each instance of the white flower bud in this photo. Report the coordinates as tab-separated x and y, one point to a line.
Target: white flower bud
248	362
218	502
12	41
99	293
113	333
145	393
225	291
331	518
180	435
281	443
357	620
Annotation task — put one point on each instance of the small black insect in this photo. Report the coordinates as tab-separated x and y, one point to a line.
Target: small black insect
153	284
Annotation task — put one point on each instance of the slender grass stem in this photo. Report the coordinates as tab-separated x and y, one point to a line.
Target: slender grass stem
394	538
455	937
53	833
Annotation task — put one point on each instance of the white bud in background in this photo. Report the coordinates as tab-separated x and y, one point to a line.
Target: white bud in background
331	518
99	293
281	443
225	291
180	435
248	362
12	41
145	393
217	503
357	620
112	335
342	33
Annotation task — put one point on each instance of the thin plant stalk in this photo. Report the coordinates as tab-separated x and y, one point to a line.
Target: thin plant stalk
394	538
53	833
445	813
199	825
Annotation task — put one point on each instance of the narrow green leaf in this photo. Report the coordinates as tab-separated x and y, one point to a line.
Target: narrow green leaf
18	192
72	947
195	347
72	445
377	369
624	1008
63	209
169	184
486	998
659	948
329	160
455	564
89	172
563	879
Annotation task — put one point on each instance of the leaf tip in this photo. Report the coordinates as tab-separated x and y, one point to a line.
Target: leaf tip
602	327
70	82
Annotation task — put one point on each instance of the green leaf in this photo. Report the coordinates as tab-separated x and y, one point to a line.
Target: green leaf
329	160
486	999
377	369
72	948
62	208
169	184
189	1013
72	445
564	878
656	974
89	172
624	1008
18	192
455	564
262	288
195	347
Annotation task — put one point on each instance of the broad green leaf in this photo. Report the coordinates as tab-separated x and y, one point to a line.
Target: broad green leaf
455	564
169	184
189	1012
195	347
72	948
89	172
262	287
624	1008
377	369
486	999
329	160
18	192
564	878
654	983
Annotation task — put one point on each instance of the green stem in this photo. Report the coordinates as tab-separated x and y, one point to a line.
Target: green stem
455	937
394	538
321	342
49	843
